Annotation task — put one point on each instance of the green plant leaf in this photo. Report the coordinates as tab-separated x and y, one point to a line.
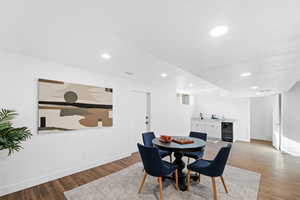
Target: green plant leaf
10	137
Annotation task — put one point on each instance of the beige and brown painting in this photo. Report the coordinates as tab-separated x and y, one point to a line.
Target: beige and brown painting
67	106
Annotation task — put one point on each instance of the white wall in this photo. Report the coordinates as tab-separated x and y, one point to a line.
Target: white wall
49	156
261	111
291	121
166	109
233	108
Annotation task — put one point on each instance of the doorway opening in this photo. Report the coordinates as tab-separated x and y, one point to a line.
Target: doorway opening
265	116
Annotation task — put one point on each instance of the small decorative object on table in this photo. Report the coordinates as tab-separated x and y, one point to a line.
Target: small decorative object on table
165	138
183	141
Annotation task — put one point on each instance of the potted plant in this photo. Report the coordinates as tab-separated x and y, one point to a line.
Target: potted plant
11	137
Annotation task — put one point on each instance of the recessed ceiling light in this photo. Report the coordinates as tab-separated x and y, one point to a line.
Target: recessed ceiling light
106	56
265	91
218	31
129	73
245	74
254	87
191	85
164	75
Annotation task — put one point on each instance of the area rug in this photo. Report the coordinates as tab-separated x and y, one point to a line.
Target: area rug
242	184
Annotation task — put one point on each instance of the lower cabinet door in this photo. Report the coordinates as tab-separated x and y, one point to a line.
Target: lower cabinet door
195	126
198	126
202	128
214	130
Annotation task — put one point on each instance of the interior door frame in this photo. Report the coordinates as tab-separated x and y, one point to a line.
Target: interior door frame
280	107
148	108
280	120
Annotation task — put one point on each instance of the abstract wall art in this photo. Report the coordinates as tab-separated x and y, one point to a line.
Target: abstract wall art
66	106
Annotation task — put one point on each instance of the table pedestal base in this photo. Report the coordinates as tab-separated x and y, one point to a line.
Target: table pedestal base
182	177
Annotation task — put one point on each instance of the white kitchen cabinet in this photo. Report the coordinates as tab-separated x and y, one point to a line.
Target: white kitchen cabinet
212	127
198	126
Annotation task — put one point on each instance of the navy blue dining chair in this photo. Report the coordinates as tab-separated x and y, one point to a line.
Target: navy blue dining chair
198	154
155	166
147	139
213	168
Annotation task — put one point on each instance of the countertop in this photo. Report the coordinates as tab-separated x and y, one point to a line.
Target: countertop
213	120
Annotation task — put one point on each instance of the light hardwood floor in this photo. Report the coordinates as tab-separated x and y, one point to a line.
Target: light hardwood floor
280	173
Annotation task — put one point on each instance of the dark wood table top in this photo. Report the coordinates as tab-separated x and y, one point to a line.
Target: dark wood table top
197	145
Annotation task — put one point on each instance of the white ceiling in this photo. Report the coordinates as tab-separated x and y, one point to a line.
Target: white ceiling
263	38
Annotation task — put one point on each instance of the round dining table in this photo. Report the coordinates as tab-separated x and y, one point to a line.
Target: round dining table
178	150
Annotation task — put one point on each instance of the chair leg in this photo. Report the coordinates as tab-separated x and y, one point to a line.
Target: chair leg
188	179
142	183
161	188
176	178
188	161
199	178
222	179
214	189
171	158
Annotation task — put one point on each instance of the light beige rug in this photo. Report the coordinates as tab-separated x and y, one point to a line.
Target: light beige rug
242	184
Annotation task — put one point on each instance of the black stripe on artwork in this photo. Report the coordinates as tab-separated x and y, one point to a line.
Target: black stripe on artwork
80	105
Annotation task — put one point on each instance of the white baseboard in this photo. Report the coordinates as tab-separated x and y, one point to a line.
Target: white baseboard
290	146
57	174
262	138
292	153
241	140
